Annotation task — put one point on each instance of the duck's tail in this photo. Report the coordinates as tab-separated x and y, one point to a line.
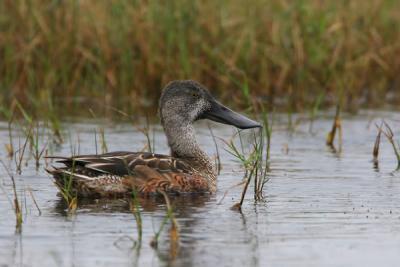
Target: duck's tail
77	183
69	183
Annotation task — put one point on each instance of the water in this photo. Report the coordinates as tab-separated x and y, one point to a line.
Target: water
322	208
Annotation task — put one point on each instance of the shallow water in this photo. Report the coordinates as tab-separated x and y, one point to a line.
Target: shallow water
322	208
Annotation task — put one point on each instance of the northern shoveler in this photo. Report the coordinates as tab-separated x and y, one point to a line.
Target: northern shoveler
187	170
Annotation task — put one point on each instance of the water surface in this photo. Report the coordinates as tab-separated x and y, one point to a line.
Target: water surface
321	208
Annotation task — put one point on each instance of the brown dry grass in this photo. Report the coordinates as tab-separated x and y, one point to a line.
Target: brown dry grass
56	55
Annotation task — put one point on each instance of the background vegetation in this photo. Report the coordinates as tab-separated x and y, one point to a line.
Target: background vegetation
57	55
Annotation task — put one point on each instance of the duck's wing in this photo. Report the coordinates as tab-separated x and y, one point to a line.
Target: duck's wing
120	172
124	163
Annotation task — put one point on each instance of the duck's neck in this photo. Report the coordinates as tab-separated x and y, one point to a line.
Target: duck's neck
182	141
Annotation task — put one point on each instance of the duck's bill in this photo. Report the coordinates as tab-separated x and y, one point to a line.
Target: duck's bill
222	114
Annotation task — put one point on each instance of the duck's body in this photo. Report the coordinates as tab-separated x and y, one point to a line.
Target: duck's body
117	173
187	170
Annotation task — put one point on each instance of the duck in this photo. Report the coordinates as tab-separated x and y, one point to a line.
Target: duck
188	169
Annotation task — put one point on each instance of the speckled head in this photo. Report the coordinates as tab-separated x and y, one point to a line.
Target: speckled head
186	101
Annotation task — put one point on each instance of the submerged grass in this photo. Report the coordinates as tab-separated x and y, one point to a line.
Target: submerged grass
173	232
135	209
16	203
256	163
70	197
68	193
103	142
388	132
58	55
149	133
314	111
375	151
34	201
218	164
10	146
36	150
20	153
336	127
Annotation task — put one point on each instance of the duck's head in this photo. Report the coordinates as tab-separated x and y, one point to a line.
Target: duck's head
184	102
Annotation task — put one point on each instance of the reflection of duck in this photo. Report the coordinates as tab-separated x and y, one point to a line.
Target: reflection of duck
184	205
187	170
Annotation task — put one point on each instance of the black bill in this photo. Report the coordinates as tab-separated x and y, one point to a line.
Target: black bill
222	114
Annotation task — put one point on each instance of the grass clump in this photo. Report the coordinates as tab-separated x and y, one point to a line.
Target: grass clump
256	163
67	191
69	196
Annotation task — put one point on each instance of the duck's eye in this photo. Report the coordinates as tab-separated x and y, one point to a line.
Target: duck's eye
195	94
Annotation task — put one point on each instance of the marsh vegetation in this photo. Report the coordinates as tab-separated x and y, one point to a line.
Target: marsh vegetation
58	55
